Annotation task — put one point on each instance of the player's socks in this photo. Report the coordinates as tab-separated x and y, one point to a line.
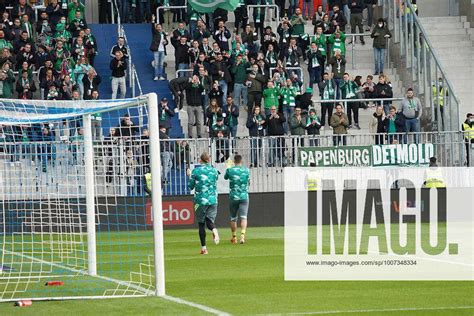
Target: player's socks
215	234
242	237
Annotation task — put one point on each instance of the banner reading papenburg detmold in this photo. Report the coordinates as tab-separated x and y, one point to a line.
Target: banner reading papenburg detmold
379	223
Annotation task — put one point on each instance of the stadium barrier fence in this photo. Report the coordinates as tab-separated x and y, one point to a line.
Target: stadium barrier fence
187	72
266	155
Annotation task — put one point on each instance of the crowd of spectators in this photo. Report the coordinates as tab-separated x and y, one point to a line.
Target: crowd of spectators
48	54
255	71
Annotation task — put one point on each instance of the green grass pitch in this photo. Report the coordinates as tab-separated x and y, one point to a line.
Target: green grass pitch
242	280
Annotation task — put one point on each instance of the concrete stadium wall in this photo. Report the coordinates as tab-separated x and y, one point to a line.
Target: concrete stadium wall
466	7
433	8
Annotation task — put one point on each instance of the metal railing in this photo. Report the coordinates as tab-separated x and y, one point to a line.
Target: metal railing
167	8
383	102
36	8
265	6
185	71
425	69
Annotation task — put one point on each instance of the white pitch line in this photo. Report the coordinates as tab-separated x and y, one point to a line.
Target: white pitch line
380	310
128	284
195	305
119	282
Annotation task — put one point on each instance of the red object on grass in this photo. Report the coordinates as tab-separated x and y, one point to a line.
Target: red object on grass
54	283
23	303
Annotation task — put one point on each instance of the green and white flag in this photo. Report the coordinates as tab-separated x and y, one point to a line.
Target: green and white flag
209	6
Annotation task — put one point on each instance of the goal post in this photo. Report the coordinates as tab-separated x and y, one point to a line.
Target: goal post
90	195
76	220
156	196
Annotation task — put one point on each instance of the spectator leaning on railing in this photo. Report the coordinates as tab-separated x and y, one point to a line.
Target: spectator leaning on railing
177	87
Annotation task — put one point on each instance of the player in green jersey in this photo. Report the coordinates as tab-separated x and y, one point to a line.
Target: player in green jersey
238	177
203	180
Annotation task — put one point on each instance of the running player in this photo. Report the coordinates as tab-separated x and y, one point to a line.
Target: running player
203	180
238	177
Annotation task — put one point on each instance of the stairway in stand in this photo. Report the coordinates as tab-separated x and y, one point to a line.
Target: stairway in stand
139	36
453	41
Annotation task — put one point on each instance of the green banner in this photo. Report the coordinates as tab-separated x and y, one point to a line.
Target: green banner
209	6
409	155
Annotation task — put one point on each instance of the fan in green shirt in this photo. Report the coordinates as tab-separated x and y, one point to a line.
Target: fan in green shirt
321	41
74	6
5	44
338	42
289	93
238	177
203	180
298	22
270	95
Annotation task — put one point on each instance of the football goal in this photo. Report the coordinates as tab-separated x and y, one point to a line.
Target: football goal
77	183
